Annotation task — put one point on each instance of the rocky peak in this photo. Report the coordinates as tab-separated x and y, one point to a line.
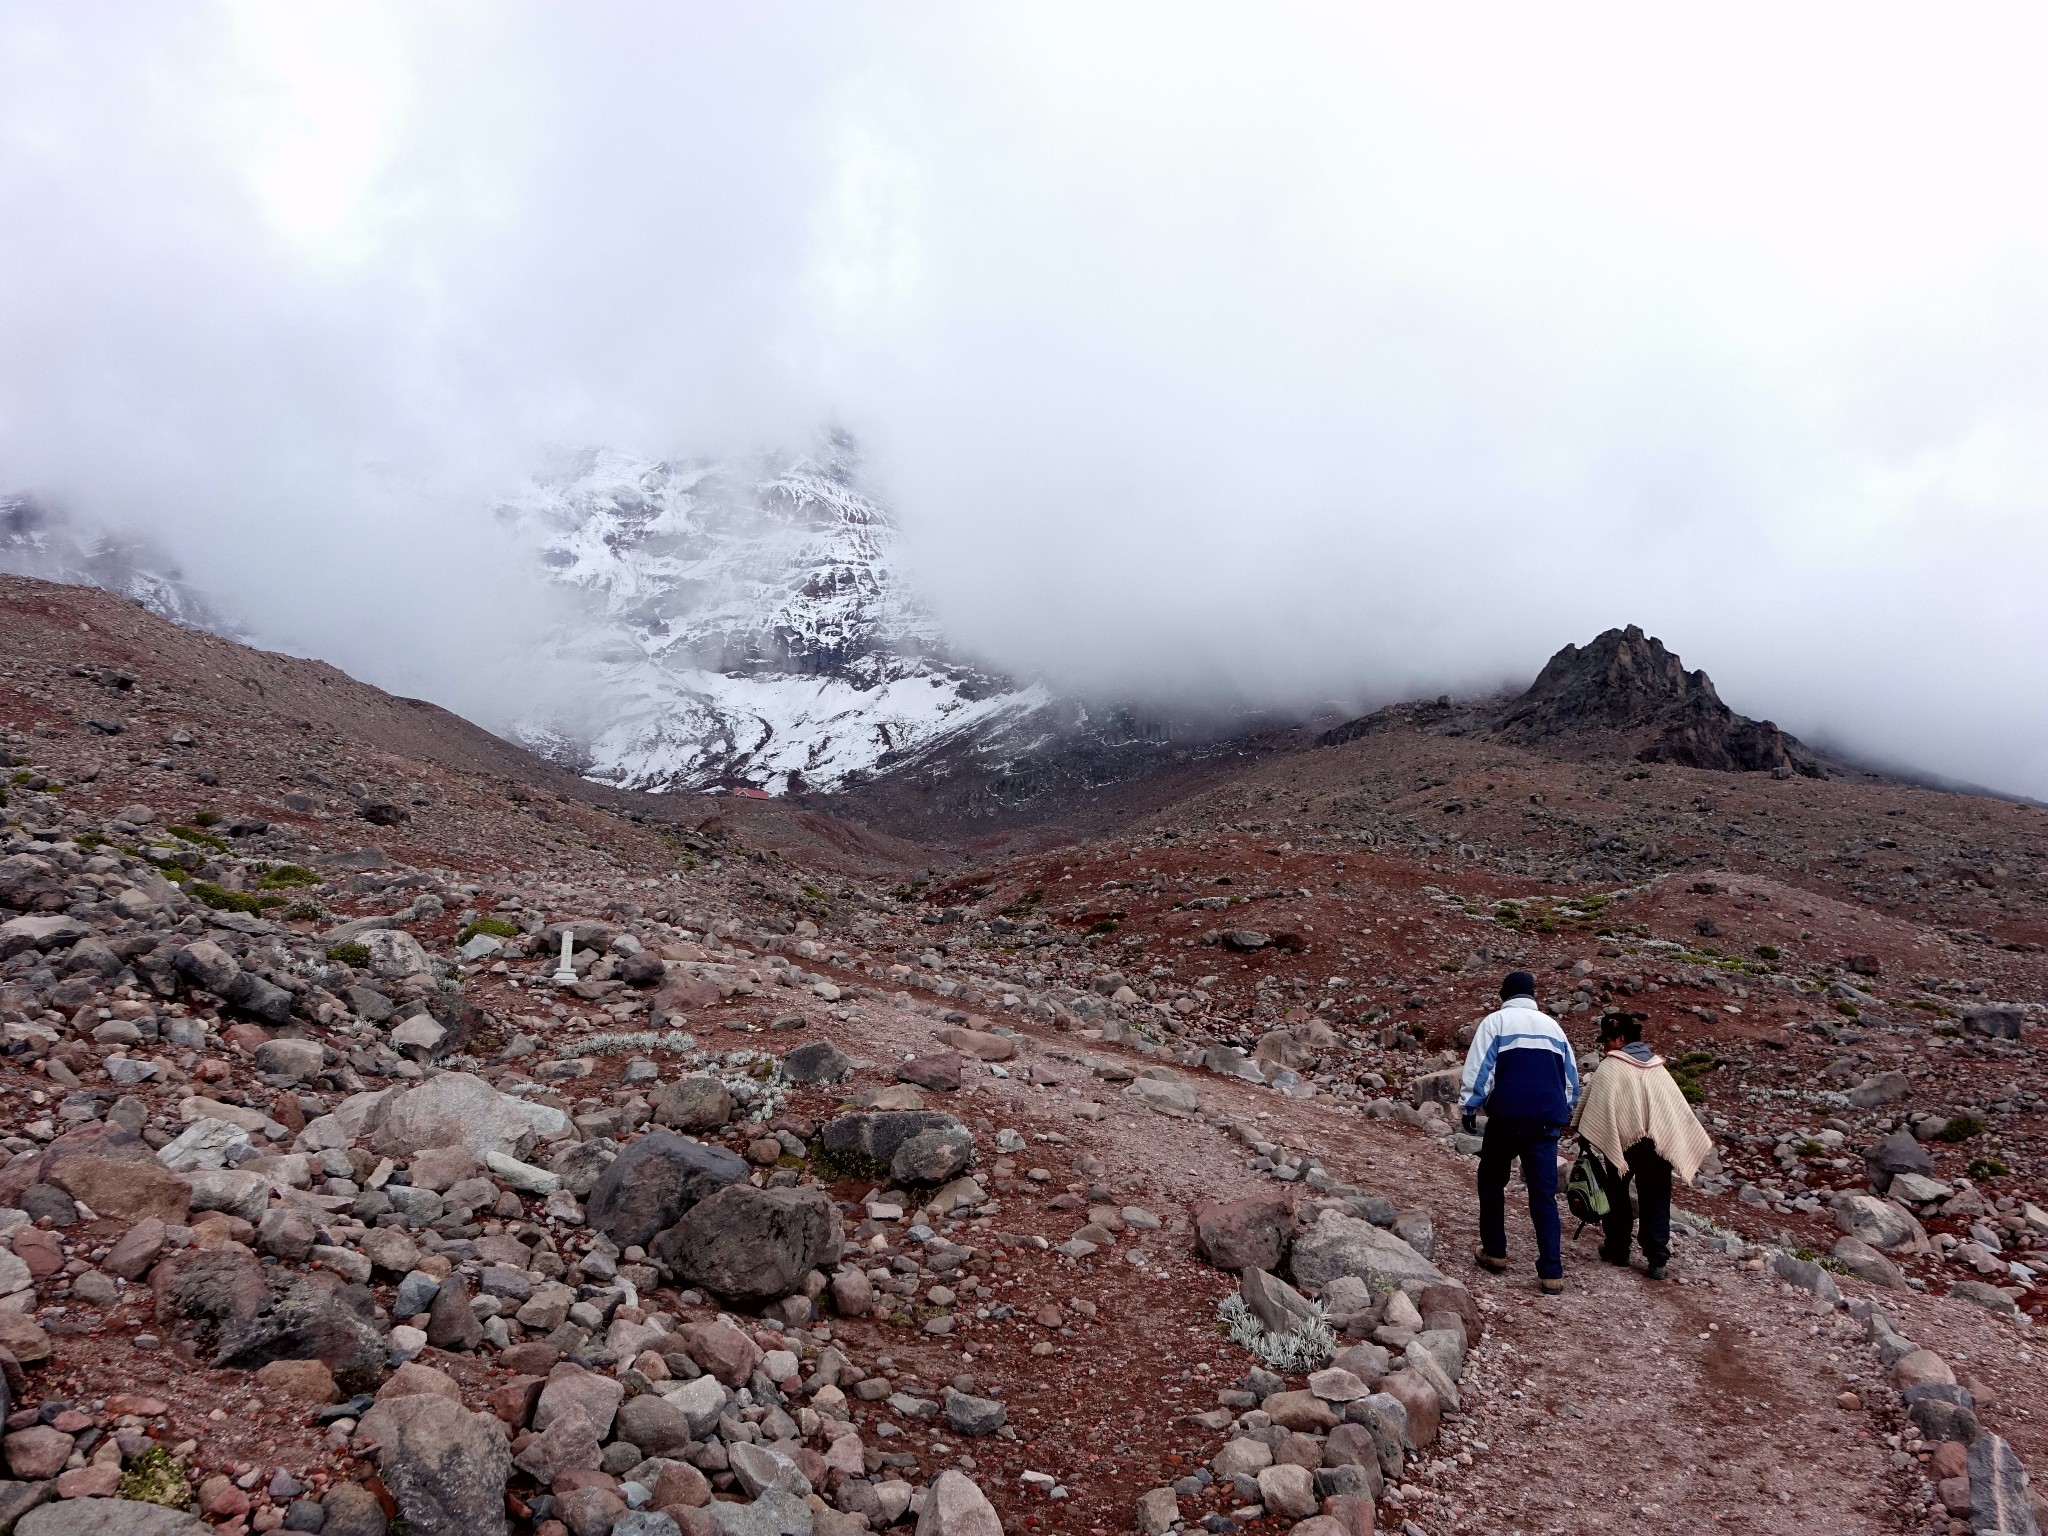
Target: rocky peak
1630	684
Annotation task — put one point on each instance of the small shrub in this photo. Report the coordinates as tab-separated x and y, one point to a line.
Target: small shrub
1847	1009
198	838
154	1478
232	901
1960	1128
84	839
305	912
1107	925
349	954
1311	1343
497	927
1767	952
1982	1168
206	819
1687	1072
286	876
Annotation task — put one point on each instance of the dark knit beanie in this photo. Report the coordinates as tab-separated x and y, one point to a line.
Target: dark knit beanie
1518	984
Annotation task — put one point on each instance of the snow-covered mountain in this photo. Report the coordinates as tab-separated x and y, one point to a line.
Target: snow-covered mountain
39	540
741	624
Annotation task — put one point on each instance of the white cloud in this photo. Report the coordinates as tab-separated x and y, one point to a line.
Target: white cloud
1301	352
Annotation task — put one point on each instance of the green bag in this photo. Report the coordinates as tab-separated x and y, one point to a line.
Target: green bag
1583	1191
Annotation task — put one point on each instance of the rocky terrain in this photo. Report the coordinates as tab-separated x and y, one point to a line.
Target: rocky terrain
824	1181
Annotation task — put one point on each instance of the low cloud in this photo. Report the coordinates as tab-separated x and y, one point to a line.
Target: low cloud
1323	355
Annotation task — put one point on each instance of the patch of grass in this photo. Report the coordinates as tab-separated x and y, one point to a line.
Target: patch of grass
1027	905
198	838
1107	925
154	1478
206	819
1847	1009
1767	952
812	893
349	954
1687	1072
1949	1031
496	927
84	839
222	900
285	876
1960	1128
305	912
848	1164
1982	1168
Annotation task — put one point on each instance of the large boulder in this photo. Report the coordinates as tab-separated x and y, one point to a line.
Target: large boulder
1344	1245
1995	1021
1898	1153
753	1245
650	1185
1880	1088
1253	1233
819	1061
692	1104
395	954
444	1466
125	1191
212	1288
933	1157
1880	1223
309	1320
457	1107
954	1505
866	1143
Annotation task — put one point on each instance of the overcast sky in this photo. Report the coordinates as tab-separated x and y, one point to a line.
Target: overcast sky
1294	351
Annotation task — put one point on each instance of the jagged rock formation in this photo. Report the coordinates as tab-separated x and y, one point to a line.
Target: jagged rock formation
1623	695
1629	684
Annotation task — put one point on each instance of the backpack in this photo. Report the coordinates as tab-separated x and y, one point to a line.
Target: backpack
1583	1191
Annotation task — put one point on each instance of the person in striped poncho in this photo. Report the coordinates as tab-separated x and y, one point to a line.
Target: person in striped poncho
1639	1130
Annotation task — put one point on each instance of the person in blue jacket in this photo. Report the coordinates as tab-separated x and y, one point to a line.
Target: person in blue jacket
1520	1069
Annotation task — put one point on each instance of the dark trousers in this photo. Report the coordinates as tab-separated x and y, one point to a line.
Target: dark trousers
1652	1178
1535	1143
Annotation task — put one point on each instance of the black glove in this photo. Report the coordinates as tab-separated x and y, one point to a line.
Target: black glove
1468	1122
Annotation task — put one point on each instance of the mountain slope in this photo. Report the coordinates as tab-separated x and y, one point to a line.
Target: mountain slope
740	624
37	539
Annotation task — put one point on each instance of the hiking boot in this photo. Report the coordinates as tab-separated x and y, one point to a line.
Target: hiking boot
1490	1264
1618	1261
1551	1287
1656	1271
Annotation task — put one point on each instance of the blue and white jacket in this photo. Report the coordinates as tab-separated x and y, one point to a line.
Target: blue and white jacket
1520	1066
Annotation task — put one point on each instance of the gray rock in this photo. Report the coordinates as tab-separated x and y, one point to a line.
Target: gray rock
1995	1021
451	1322
1883	1088
692	1104
286	1057
760	1468
1989	1297
1880	1223
416	1292
955	1506
974	1416
654	1424
1867	1264
308	1321
1942	1411
1385	1418
1998	1490
1344	1245
109	1517
753	1245
1898	1153
394	954
1807	1276
352	1510
653	1183
645	1522
820	1061
1273	1301
1415	1228
207	966
866	1143
457	1107
444	1466
229	1189
934	1156
777	1512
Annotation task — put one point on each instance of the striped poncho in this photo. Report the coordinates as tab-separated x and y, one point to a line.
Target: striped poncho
1632	1098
